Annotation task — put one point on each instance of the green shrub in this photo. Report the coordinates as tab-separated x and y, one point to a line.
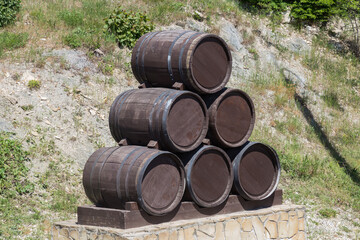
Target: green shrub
73	40
127	26
34	84
13	170
268	6
8	11
312	11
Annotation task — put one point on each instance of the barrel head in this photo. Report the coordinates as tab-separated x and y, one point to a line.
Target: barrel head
210	63
234	118
258	171
162	184
185	123
209	176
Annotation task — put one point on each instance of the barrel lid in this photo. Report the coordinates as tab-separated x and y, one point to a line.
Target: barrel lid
209	176
210	63
257	169
187	121
161	183
235	117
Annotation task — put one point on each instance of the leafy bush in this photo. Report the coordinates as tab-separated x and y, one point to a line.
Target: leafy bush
8	11
269	6
13	170
312	11
128	26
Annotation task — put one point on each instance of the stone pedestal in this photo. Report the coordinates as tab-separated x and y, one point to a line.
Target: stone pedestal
277	222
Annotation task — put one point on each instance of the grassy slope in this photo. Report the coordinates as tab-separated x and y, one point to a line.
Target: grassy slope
317	138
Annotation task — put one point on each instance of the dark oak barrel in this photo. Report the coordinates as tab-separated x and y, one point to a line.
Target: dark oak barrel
209	176
154	179
177	120
231	117
201	61
256	170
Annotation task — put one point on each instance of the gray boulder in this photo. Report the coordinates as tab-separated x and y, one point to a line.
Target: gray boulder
231	35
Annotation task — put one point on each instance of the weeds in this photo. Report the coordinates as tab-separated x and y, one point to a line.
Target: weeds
27	107
10	41
13	169
331	99
327	213
34	84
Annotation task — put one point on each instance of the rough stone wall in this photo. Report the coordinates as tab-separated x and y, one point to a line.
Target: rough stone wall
278	222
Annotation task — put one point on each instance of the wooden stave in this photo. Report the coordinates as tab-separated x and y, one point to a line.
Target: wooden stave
236	154
212	102
188	160
180	48
155	125
118	196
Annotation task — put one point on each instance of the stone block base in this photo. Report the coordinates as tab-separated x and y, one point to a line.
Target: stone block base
277	222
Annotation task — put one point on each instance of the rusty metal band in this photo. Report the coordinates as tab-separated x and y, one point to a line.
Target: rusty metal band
170	53
118	174
118	109
166	114
151	132
91	173
130	166
156	130
138	53
143	57
181	54
159	127
112	114
100	170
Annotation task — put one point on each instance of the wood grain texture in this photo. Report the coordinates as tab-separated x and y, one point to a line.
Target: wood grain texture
177	120
154	179
256	170
201	61
107	217
231	117
209	176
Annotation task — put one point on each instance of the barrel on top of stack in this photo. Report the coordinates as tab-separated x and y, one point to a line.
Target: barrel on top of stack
201	61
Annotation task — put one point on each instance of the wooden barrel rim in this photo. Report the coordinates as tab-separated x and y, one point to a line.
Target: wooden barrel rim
116	130
180	192
205	126
189	61
90	192
140	159
191	163
276	178
221	98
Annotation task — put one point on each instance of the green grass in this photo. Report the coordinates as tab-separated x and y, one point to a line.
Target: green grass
10	41
327	213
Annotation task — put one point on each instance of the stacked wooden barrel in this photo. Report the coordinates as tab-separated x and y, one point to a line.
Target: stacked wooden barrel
182	136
